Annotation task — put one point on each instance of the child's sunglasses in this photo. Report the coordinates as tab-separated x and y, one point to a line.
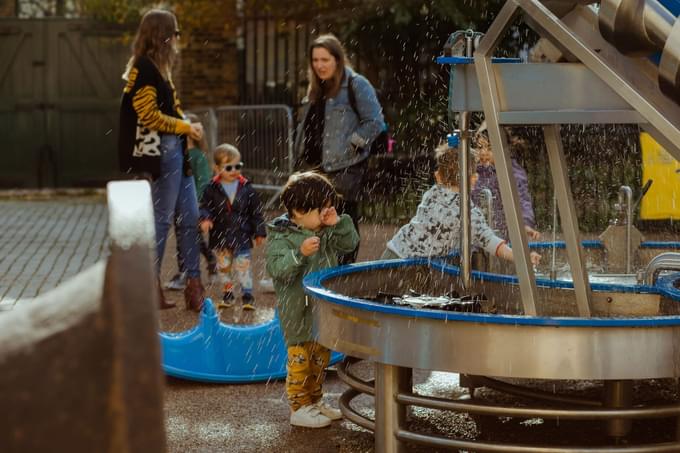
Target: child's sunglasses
233	167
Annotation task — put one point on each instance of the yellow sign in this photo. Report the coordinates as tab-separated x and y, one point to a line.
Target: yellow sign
662	201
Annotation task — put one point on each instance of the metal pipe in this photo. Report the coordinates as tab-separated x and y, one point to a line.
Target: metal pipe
618	394
668	261
529	412
658	23
487	206
438	441
516	390
350	414
635	26
345	375
469	43
465	224
553	261
401	396
468	445
627	193
390	416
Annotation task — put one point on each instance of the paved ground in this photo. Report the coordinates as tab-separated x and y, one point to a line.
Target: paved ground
45	242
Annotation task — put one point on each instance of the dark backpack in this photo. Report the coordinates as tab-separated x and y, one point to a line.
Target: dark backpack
381	143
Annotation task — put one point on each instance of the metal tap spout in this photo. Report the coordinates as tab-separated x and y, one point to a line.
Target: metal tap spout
669	261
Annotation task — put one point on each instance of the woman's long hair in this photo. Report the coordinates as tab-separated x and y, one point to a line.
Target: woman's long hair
332	44
154	40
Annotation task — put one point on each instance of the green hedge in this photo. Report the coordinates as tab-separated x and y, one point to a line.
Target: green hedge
600	159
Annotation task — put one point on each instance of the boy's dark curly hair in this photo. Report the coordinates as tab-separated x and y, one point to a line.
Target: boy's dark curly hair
306	191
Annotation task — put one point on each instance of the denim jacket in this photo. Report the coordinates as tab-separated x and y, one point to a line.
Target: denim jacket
344	132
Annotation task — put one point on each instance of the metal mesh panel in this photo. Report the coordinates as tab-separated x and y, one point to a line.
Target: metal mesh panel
207	117
263	134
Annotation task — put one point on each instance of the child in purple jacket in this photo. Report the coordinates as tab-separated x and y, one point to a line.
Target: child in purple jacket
487	179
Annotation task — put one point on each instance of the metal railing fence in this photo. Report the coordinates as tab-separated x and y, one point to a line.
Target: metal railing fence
262	133
264	136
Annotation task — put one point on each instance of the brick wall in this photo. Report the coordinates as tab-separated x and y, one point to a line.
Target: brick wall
7	8
208	70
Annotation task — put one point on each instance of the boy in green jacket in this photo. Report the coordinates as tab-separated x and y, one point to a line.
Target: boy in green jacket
308	238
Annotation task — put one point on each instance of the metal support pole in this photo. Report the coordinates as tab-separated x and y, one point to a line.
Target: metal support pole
565	202
389	414
464	160
506	179
465	224
618	394
677	428
626	196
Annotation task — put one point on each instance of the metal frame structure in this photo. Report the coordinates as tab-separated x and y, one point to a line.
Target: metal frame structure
599	85
629	78
398	339
396	394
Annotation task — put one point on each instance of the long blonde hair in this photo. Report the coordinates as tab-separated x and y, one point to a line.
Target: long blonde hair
332	44
154	40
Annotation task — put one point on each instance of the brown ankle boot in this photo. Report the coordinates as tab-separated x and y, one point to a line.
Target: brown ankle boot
163	302
194	293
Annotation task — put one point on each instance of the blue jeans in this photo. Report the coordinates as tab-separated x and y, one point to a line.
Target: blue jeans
174	194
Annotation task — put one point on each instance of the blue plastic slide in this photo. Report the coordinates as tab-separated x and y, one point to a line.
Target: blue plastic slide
223	353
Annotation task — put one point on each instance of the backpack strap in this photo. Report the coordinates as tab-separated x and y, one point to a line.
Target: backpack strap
350	94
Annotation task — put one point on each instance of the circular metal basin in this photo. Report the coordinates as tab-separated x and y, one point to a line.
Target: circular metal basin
635	336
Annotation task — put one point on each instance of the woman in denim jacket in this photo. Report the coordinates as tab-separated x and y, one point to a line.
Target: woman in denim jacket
333	136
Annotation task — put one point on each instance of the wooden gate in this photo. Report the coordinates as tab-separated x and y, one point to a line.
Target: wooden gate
60	89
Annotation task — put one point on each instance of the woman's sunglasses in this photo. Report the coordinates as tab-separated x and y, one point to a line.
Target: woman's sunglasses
178	33
233	167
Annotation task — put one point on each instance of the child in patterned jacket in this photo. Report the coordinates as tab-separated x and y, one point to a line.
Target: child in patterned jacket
435	229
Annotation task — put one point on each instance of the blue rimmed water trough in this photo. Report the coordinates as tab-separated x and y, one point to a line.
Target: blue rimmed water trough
634	335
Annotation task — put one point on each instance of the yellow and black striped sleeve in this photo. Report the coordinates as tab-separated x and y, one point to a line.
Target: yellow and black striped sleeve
175	99
145	104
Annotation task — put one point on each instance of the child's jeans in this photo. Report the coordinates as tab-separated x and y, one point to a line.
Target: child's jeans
307	363
174	195
236	265
205	251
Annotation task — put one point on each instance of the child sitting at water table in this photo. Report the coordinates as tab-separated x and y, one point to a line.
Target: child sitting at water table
308	238
435	229
487	179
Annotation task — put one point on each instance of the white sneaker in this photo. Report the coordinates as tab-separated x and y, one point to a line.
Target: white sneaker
309	417
177	282
267	285
329	411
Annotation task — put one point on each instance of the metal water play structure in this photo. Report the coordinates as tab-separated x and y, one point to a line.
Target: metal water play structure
596	69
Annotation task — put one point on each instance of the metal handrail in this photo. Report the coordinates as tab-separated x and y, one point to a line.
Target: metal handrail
443	442
365	387
359	386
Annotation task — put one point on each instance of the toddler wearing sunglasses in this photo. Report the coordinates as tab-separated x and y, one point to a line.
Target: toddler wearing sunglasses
231	211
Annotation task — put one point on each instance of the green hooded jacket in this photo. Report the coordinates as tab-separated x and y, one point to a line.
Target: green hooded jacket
288	266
